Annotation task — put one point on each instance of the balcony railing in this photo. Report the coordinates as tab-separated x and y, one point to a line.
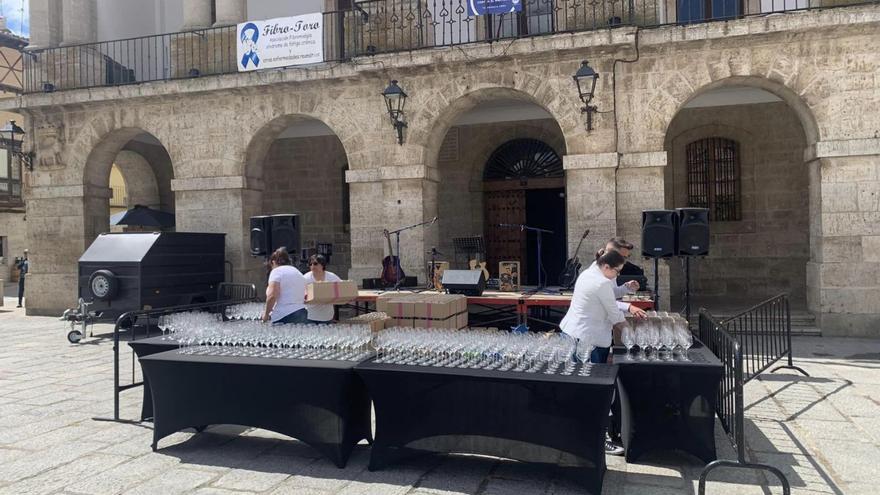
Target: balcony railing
372	27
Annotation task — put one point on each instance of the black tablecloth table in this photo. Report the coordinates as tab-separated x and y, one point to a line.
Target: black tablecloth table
322	403
145	347
669	404
530	417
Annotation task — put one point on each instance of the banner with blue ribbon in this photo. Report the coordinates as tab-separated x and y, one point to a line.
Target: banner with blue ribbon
487	7
249	34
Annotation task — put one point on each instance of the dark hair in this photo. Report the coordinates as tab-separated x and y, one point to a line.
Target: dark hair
319	259
280	257
611	258
620	243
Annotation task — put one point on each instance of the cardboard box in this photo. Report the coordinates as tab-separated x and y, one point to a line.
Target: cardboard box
331	292
399	322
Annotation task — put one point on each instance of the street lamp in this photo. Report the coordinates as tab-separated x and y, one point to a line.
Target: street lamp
8	134
586	79
395	100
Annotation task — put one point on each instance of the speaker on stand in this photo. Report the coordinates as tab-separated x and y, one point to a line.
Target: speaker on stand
658	241
693	240
261	235
286	233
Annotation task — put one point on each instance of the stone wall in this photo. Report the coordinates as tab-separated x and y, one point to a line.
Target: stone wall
306	176
765	253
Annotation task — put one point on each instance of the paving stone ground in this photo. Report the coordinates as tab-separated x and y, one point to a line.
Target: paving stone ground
822	431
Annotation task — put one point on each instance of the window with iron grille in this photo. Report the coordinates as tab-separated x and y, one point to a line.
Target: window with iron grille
713	182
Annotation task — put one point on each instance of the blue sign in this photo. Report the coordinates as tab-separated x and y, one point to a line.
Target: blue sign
486	7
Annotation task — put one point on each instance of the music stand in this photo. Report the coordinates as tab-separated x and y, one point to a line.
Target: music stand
469	246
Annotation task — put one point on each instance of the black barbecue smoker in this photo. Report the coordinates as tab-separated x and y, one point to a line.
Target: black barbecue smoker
122	272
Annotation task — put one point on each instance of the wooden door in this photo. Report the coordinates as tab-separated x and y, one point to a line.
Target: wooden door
505	244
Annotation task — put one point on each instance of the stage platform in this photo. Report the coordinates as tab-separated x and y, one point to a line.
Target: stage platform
495	307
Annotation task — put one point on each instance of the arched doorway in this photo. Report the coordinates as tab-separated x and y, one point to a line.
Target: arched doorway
128	167
498	162
300	164
739	151
524	184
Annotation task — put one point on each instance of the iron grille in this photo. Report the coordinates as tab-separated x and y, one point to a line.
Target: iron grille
523	159
713	178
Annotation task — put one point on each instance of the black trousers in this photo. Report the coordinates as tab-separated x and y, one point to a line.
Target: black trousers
20	289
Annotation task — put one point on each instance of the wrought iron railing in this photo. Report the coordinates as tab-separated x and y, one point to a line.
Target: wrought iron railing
372	27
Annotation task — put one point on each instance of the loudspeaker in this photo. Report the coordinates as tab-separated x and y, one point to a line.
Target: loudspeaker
658	233
285	232
467	282
261	235
693	231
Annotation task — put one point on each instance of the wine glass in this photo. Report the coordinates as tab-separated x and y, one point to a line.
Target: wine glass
627	336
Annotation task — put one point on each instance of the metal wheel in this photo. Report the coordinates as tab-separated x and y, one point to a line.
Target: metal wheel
74	336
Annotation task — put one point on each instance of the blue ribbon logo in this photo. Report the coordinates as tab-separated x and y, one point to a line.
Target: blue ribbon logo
249	36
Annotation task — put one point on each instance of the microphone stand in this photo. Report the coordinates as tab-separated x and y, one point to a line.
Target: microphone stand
542	283
397	244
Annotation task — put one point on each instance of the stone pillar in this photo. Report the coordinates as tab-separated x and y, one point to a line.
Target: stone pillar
843	276
45	24
59	228
140	181
641	186
196	14
390	198
221	204
230	12
79	23
590	200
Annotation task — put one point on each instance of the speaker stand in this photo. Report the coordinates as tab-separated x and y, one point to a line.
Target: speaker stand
687	288
656	283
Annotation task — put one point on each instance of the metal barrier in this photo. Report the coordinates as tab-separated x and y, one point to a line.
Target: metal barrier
764	332
370	27
746	344
228	291
144	319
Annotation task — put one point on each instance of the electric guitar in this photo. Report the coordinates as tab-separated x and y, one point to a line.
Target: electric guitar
572	266
473	264
390	264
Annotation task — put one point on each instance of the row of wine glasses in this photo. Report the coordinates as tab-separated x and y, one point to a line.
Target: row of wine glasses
245	311
488	349
247	338
173	323
658	337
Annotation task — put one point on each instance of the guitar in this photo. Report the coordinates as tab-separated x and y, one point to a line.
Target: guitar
473	264
572	266
389	265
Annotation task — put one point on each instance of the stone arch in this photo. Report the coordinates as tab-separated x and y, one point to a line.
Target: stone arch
260	142
554	139
797	104
140	179
767	249
446	105
139	158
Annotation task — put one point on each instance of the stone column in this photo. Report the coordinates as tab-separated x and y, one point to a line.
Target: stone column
196	14
390	198
843	275
79	23
221	204
45	24
230	12
62	221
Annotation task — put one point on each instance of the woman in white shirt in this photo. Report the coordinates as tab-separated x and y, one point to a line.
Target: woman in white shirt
593	311
286	292
320	313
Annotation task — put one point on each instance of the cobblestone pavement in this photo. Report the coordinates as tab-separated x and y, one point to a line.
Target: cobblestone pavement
822	431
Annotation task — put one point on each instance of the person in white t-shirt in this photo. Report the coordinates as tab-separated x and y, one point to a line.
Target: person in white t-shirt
320	313
286	292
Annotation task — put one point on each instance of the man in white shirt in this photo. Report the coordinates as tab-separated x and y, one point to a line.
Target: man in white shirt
625	248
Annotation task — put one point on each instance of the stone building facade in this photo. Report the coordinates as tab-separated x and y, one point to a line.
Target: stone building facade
238	145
